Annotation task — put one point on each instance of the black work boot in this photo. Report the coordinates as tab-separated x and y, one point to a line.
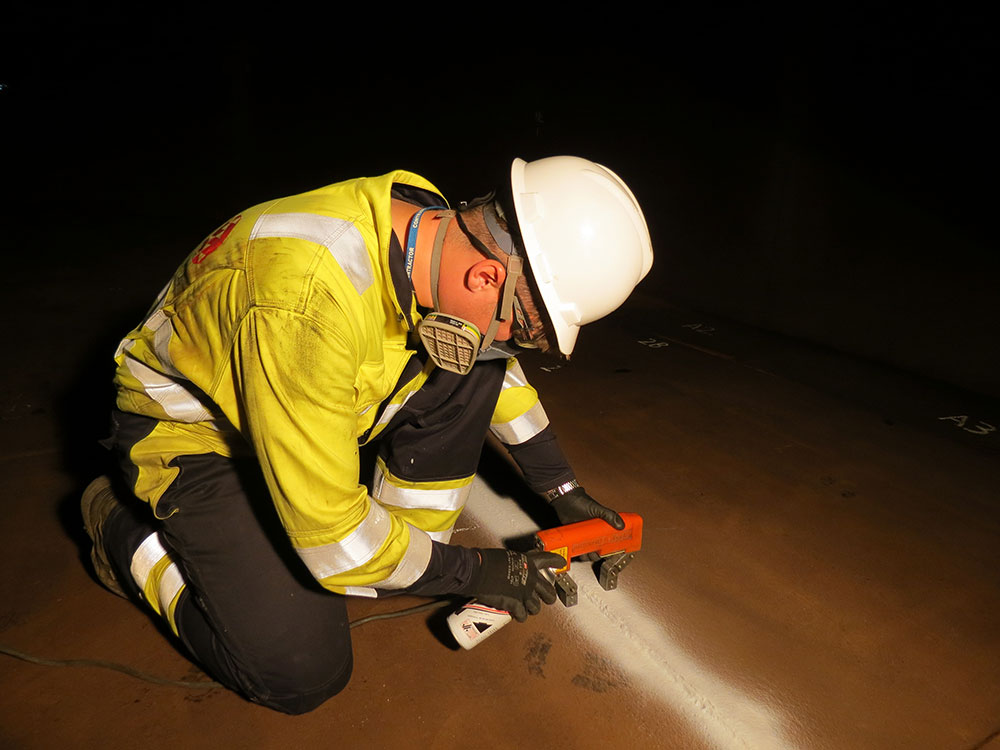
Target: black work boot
96	506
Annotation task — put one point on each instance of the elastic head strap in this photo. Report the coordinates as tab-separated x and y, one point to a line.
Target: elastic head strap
503	238
491	333
527	308
506	303
513	262
514	267
445	217
411	237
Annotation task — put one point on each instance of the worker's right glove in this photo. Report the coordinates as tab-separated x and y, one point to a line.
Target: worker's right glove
511	581
577	505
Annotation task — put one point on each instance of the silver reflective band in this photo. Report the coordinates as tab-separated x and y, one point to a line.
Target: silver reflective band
521	428
365	591
177	401
515	377
391	409
150	552
561	490
413	564
443	536
163	330
410	497
353	551
144	559
171	582
407	572
340	237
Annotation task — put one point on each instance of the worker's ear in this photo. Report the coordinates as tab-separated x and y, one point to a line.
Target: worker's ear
485	274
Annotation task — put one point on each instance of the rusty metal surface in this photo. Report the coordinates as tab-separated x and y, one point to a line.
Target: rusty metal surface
819	570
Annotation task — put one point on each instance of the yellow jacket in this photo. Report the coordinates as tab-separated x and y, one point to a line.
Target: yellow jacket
280	336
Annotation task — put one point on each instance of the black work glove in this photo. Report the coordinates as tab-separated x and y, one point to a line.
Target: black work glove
510	581
577	505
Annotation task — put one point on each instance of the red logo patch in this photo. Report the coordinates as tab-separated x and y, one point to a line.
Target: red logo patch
216	238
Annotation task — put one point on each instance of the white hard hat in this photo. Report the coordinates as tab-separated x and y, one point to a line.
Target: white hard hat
585	238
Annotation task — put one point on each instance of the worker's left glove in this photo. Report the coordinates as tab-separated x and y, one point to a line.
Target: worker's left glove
577	505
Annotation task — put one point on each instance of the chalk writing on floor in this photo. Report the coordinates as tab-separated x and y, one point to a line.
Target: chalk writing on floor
976	427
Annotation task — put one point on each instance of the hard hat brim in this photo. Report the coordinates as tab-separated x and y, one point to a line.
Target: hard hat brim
565	333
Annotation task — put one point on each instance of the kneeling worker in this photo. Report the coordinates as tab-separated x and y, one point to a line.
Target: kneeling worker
308	326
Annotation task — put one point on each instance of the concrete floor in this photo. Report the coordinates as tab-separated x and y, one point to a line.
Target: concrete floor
820	566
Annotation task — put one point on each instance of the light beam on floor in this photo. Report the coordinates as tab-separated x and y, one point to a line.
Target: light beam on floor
639	644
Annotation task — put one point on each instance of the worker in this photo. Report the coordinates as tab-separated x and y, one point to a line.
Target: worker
367	311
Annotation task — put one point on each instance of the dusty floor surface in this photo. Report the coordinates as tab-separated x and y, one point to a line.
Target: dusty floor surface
821	566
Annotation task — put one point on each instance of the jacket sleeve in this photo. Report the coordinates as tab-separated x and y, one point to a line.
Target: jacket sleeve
296	381
520	423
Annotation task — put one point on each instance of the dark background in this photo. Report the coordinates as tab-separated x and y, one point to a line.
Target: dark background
830	179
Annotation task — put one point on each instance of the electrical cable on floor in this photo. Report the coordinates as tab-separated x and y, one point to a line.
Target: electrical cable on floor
123	668
200	684
402	612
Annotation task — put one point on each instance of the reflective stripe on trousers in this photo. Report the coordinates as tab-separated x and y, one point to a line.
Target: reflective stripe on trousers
158	577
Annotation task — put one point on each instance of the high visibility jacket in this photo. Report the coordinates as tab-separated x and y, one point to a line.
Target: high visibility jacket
284	334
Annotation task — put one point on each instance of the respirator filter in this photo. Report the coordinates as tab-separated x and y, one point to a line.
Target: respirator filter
451	342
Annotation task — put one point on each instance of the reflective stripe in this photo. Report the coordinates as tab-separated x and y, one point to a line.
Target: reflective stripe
391	409
150	552
360	591
388	414
414	562
163	330
340	237
147	556
452	498
522	428
177	401
171	583
352	552
441	536
514	378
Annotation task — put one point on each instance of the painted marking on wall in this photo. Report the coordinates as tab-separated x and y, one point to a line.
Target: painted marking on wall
638	641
